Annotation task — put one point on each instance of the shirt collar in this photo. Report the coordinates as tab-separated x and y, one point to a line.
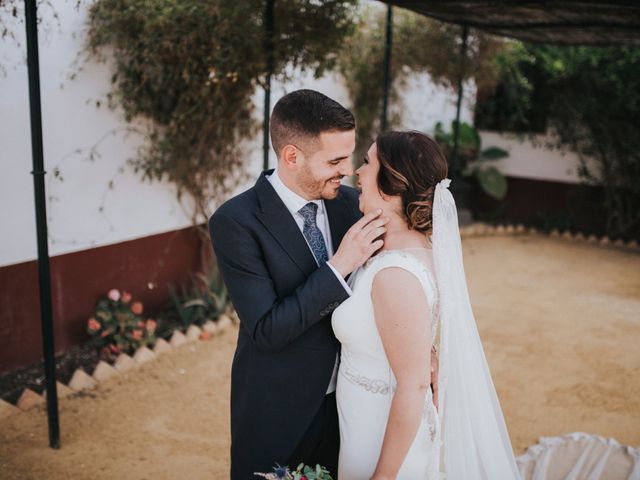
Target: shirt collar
291	199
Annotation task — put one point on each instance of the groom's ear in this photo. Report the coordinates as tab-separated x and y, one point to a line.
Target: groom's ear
289	156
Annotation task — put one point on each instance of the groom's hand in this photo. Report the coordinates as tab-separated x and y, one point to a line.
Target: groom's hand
435	364
359	243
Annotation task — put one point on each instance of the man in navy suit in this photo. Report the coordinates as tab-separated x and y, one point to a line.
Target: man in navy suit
284	248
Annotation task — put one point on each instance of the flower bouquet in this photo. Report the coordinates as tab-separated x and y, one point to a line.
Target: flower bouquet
303	472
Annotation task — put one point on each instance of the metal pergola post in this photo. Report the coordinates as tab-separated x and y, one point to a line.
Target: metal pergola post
41	223
268	47
386	80
455	161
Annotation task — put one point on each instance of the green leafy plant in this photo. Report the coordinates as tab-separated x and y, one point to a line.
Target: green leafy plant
191	69
517	101
118	327
420	45
474	158
588	98
206	298
303	472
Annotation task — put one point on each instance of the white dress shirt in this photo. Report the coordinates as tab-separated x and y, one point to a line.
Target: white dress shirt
294	203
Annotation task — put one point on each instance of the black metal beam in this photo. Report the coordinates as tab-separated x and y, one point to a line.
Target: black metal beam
268	48
455	161
41	223
581	22
386	79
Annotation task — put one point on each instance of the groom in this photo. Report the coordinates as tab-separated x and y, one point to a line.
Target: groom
284	248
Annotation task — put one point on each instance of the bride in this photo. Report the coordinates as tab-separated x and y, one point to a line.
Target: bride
410	294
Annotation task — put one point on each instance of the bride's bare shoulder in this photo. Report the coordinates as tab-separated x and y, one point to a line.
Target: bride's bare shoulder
396	285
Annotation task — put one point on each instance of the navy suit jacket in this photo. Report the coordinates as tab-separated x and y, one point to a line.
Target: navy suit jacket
286	349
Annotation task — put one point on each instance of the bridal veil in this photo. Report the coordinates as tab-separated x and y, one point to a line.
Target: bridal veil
475	441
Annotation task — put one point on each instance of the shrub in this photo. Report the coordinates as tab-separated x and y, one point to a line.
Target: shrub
118	326
206	298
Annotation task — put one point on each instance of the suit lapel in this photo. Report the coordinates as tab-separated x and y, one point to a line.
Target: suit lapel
278	220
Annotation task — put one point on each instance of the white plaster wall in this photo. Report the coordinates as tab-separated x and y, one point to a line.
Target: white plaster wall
427	104
83	211
532	159
102	201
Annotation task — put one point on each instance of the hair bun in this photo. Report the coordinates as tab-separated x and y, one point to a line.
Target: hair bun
419	210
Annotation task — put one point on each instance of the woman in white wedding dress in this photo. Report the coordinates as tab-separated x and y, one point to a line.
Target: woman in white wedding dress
411	293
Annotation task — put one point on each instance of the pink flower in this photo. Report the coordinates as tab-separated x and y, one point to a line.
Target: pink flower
114	348
126	297
136	308
205	335
151	325
105	333
114	295
140	324
137	334
93	324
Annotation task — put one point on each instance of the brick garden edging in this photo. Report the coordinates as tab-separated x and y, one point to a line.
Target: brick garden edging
481	230
103	371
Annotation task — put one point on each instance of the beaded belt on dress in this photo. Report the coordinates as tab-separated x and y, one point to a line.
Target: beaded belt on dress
372	385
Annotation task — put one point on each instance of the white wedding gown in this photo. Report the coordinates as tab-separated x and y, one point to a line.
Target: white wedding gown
366	383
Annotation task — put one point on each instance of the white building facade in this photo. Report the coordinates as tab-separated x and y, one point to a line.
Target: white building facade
108	228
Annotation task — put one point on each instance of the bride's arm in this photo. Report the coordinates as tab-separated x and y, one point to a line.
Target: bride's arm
402	316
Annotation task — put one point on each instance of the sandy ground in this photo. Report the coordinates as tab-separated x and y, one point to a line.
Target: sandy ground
559	323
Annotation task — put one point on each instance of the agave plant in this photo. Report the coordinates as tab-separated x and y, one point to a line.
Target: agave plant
206	298
474	158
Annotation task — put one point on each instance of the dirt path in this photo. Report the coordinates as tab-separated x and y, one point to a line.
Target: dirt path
559	323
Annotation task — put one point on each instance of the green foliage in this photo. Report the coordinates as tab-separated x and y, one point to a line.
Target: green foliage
118	326
494	153
491	181
590	99
302	472
205	299
473	158
420	45
318	473
514	103
192	67
596	111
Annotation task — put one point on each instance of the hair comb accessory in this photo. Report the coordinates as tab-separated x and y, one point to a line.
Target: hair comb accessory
444	183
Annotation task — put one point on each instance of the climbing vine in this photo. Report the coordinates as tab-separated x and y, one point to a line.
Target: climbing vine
192	68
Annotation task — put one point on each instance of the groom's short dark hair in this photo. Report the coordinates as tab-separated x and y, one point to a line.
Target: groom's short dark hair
301	116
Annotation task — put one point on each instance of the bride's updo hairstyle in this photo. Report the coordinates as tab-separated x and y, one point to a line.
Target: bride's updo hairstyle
411	164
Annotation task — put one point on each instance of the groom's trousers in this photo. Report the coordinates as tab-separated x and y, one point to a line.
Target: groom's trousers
321	442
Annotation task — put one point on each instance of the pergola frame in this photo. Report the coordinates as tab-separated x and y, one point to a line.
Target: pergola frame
566	22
